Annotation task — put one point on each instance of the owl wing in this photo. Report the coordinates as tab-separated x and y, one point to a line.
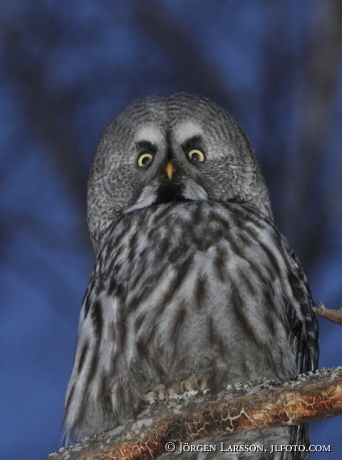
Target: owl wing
302	324
303	335
83	407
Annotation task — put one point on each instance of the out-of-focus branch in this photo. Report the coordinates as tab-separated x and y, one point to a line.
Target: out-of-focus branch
308	218
44	111
311	397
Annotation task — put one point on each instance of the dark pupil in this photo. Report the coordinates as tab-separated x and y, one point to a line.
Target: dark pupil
195	156
146	160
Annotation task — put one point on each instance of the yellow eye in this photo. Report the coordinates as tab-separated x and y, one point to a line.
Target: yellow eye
145	159
196	155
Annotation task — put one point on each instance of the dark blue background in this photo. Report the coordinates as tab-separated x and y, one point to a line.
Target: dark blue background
67	67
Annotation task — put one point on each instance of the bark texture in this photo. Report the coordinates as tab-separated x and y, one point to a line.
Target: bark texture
192	417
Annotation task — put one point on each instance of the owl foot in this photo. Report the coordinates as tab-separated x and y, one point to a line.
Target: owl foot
196	384
193	384
161	392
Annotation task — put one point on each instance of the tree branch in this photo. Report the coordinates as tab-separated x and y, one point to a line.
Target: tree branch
331	315
192	417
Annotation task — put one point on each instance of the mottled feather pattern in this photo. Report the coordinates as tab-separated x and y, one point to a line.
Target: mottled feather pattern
192	278
203	253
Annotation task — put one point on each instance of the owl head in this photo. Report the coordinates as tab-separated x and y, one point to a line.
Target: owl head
164	149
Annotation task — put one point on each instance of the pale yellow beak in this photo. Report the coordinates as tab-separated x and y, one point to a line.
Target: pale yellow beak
170	170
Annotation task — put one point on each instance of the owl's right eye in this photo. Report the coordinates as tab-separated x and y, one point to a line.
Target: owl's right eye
145	159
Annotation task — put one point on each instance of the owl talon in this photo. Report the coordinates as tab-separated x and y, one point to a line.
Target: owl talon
195	384
158	393
190	384
203	384
174	389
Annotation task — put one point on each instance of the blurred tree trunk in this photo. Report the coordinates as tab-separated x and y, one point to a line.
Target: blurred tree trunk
305	222
44	112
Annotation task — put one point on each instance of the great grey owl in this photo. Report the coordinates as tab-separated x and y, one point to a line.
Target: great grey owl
192	281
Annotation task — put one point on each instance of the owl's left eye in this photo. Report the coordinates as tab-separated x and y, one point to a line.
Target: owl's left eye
145	159
196	155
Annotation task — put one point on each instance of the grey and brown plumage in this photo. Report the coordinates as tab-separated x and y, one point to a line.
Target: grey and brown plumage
192	278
